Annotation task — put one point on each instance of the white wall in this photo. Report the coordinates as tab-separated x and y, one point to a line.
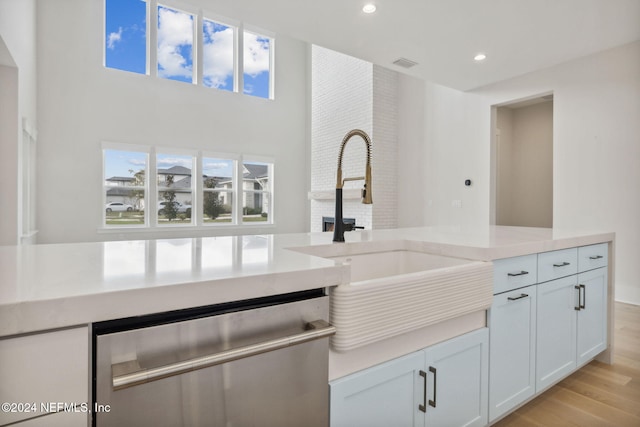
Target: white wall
596	151
524	188
341	99
81	104
17	102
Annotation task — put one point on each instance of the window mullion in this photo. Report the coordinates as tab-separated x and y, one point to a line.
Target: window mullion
239	54
152	31
198	49
152	208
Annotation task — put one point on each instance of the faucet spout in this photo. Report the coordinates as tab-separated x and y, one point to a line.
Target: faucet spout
338	228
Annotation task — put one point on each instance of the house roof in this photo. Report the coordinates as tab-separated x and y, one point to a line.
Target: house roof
120	178
253	171
175	170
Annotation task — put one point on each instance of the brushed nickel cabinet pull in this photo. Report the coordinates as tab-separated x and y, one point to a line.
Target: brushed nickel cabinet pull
313	331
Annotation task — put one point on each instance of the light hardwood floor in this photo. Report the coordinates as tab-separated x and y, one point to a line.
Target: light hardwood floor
598	394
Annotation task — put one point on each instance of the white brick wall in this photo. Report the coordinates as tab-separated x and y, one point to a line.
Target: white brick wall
349	93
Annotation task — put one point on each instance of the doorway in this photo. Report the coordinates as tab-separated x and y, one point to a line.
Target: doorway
522	163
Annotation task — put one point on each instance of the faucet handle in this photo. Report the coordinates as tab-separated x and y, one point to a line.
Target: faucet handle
365	196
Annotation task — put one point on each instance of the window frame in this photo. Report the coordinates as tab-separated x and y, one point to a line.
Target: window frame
270	162
199	16
194	172
151	189
236	159
133	148
272	49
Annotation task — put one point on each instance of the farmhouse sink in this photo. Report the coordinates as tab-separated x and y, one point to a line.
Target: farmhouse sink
376	265
397	291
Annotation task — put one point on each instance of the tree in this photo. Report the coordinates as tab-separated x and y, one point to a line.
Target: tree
212	204
137	195
170	209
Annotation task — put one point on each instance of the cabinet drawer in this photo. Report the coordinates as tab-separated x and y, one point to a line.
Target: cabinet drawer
593	256
556	264
514	273
46	367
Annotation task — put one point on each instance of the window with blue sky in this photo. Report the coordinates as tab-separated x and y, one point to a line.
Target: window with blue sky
175	44
126	35
257	65
177	53
218	55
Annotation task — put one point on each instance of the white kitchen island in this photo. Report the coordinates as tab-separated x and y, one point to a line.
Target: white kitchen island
58	288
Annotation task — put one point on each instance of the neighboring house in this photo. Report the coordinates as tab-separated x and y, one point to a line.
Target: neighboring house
120	191
254	178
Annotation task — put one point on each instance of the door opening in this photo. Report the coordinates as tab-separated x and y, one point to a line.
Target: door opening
522	163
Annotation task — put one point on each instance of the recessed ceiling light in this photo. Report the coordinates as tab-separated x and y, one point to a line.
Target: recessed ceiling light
480	57
369	8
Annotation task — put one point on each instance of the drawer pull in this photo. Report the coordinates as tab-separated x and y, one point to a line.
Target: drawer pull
522	273
564	264
596	257
517	298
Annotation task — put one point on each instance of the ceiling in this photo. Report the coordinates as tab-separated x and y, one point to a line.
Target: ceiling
443	36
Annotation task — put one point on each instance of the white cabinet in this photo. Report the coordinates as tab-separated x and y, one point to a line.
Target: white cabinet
384	395
512	340
592	316
572	324
541	333
43	368
443	385
457	381
556	330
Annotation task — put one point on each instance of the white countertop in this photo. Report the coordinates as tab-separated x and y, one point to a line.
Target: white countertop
59	285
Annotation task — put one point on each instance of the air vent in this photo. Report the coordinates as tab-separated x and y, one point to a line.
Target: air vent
405	63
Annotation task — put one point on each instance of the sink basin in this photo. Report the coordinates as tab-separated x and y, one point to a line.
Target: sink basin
376	265
397	291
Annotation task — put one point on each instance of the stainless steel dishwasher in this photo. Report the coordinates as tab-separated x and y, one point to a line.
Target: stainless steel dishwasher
256	363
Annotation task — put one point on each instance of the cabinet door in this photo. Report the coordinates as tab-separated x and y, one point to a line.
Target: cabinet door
42	368
556	330
457	381
592	316
512	340
385	395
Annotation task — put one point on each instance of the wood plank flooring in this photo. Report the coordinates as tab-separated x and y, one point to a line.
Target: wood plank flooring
598	395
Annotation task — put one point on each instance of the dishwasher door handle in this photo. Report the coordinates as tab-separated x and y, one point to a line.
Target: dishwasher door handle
313	331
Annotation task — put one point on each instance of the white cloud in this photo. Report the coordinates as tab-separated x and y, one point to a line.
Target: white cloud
137	162
256	54
114	38
218	55
175	31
